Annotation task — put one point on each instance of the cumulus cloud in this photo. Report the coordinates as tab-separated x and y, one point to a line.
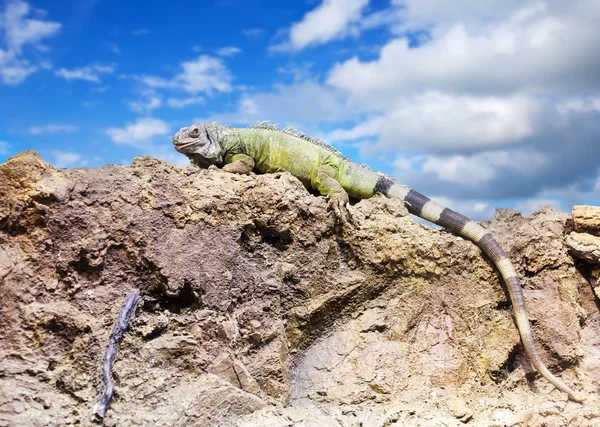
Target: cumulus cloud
481	168
310	102
580	104
67	159
499	101
52	128
138	133
367	128
434	121
531	205
530	50
90	73
473	209
203	74
563	154
142	134
18	31
332	19
418	14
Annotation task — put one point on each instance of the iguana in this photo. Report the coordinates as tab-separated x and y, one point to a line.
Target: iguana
319	166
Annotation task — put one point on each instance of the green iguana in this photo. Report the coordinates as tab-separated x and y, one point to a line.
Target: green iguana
266	149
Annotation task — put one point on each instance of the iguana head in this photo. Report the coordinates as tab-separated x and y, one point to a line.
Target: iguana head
201	143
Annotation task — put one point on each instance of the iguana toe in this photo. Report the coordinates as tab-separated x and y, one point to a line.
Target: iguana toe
338	204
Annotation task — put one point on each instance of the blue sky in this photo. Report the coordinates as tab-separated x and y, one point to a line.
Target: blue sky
477	104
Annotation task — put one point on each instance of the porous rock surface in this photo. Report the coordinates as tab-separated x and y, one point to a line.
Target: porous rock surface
259	310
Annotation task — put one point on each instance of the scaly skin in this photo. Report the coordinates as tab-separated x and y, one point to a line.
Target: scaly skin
318	166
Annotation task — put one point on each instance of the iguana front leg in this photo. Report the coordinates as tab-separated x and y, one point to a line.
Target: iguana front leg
322	179
240	163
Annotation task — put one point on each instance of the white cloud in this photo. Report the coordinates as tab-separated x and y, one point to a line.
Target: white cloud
366	128
441	122
140	32
573	194
65	159
298	72
90	73
532	49
579	105
138	133
329	21
473	209
146	105
499	101
20	31
184	102
417	14
204	74
228	51
310	102
472	170
434	121
52	128
13	71
529	206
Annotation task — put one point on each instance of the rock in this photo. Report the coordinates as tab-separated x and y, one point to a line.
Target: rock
257	309
459	409
155	327
584	246
234	372
586	219
595	281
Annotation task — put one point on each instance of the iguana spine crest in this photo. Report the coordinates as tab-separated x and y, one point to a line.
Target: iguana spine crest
266	124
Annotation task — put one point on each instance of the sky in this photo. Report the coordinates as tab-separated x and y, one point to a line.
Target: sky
475	103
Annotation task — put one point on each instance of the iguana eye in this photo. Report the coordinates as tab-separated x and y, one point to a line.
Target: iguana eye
194	133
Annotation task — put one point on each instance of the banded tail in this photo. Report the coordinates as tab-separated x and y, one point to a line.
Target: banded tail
432	211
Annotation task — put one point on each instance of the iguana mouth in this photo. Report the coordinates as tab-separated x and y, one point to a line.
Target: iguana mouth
180	145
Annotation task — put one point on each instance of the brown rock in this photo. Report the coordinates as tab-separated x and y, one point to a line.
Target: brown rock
586	219
584	246
256	307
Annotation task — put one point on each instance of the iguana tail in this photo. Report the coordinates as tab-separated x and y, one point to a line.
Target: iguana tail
430	210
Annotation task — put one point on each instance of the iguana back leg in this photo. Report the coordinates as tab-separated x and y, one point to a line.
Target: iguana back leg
323	180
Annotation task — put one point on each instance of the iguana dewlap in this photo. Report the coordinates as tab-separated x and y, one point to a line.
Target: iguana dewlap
265	149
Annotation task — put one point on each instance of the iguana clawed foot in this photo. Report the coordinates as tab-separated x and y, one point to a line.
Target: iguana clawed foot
338	203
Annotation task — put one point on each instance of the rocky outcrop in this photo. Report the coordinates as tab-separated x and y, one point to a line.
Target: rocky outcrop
584	241
258	309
